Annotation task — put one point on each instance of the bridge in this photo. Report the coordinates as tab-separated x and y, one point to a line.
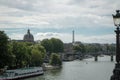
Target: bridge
69	56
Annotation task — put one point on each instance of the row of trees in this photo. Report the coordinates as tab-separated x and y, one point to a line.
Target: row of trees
94	48
22	54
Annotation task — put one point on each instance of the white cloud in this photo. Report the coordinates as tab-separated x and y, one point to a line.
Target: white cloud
65	37
16	36
41	36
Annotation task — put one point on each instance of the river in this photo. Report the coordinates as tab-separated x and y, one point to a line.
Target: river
86	69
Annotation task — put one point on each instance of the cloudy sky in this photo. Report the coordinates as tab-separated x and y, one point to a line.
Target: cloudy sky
90	19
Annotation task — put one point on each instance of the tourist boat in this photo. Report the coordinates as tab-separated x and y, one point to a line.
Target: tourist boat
21	73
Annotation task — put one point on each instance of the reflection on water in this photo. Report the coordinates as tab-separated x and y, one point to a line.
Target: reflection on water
87	69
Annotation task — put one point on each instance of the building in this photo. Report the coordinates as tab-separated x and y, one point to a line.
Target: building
28	37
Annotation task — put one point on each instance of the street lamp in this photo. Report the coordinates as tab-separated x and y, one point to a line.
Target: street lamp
116	71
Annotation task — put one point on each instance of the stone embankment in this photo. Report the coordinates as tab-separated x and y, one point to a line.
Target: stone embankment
47	66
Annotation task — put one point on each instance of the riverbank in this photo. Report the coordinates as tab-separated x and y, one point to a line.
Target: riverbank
47	66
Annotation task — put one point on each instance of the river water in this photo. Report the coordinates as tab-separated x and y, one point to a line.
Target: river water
87	69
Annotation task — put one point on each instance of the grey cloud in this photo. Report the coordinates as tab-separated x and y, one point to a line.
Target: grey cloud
42	6
76	2
47	6
19	4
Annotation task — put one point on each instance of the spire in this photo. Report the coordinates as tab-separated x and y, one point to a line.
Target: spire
28	31
73	37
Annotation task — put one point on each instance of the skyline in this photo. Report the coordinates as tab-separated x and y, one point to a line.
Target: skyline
90	19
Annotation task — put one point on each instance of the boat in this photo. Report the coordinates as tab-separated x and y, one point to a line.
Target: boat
22	73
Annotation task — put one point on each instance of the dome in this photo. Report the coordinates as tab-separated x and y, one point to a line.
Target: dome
28	37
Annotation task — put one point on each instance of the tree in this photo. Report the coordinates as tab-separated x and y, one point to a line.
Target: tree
11	59
20	50
37	56
5	52
110	48
57	45
52	45
55	60
93	48
47	44
79	48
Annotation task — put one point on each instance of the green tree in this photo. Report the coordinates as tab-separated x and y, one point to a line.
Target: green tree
41	49
79	48
47	44
52	45
20	50
57	45
110	48
36	58
93	48
5	52
55	60
11	56
37	55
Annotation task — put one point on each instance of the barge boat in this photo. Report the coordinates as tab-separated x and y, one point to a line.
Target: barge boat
21	73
